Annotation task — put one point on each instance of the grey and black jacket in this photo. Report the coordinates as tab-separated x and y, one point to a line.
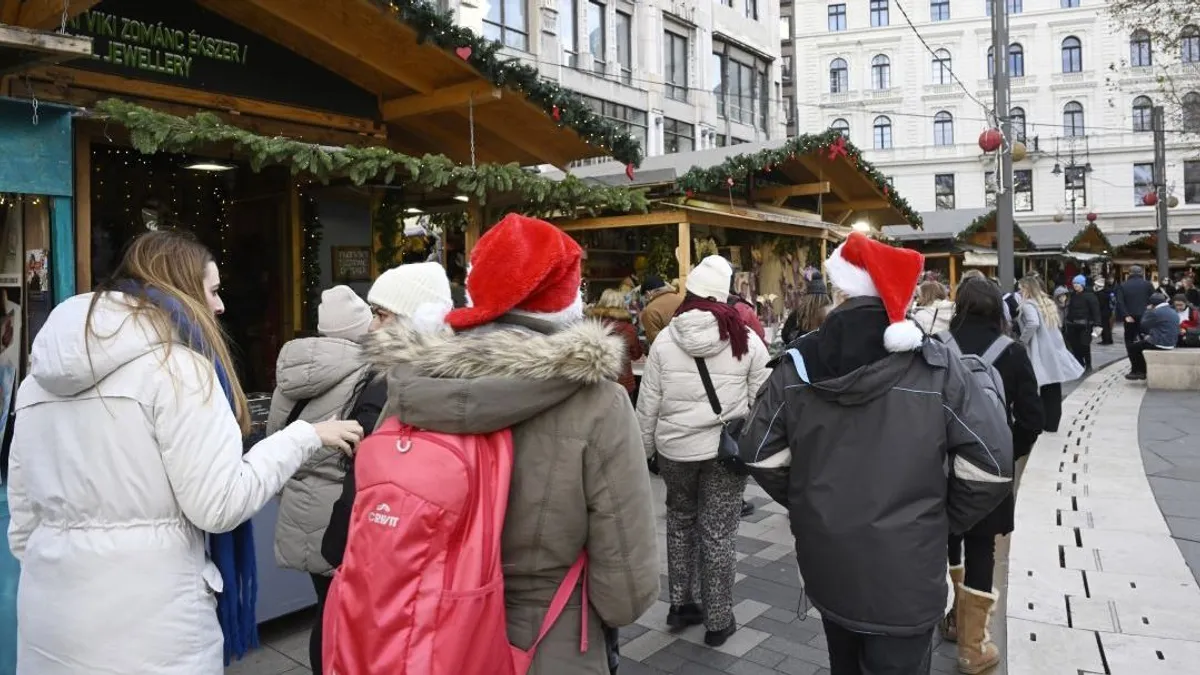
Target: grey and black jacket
878	457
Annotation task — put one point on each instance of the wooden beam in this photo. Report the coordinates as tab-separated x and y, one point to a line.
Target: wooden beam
457	96
772	193
733	222
683	252
83	211
202	99
814	167
48	14
473	231
295	266
538	148
650	219
859	204
10	11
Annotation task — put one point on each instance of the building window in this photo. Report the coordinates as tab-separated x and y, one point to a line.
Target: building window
1016	61
939	10
597	35
722	140
842	126
676	65
943	128
1022	189
630	119
1073	119
786	33
505	23
1191	112
678	136
839	76
625	46
789	106
942	73
743	85
1068	4
943	191
1072	55
568	32
1141	55
764	97
881	73
785	69
879	13
1191	182
1014	6
1016	118
1075	185
1141	113
837	17
883	133
1143	181
717	70
737	141
1189	44
751	9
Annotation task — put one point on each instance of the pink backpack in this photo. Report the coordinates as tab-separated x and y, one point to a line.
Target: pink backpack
420	590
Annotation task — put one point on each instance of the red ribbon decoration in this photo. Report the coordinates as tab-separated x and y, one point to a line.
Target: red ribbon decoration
629	171
837	148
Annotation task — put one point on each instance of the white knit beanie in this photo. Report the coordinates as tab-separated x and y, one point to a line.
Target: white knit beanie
402	290
711	278
342	314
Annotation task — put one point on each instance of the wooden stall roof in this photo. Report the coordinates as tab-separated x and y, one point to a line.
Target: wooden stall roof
697	212
959	230
22	48
423	70
823	174
1083	237
1143	249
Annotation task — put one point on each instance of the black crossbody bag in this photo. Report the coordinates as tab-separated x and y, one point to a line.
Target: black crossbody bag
727	446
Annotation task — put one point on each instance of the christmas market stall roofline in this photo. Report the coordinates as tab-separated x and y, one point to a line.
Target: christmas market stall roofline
822	174
151	131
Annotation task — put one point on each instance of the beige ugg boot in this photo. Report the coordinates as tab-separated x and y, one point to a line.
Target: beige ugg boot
976	651
949	624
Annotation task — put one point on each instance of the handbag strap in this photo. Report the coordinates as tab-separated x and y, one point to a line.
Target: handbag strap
297	410
708	387
559	603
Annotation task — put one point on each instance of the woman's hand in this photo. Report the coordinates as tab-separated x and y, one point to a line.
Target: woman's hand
341	434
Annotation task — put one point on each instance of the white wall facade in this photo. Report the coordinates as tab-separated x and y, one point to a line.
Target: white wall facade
642	87
1105	86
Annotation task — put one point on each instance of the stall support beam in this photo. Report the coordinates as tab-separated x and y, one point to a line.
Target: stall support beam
62	248
474	230
953	273
295	236
83	213
684	252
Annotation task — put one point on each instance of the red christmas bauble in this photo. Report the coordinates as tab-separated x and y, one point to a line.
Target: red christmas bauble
690	194
990	140
1092	217
1150	198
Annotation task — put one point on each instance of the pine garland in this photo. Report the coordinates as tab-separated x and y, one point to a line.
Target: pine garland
734	172
566	107
388	225
989	219
151	131
310	259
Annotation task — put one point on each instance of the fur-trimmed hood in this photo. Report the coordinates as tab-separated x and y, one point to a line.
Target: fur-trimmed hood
492	377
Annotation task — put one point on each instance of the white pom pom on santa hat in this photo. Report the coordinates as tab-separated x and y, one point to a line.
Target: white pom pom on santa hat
863	267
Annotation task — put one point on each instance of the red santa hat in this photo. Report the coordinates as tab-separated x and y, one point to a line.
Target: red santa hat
522	265
862	267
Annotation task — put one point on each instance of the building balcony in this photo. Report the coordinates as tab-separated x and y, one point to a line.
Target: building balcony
1082	80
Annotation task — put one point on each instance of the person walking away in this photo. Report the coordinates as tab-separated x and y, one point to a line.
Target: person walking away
1082	313
707	347
661	303
127	449
933	307
1133	297
317	378
1104	296
746	311
610	310
523	358
1012	304
1160	330
809	311
868	405
1041	335
977	328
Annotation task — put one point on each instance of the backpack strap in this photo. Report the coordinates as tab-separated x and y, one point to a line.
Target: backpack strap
296	411
996	349
798	363
577	572
947	338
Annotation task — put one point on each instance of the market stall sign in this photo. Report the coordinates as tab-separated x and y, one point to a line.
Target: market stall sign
180	43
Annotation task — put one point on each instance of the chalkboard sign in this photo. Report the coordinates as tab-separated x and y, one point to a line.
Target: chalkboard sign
351	264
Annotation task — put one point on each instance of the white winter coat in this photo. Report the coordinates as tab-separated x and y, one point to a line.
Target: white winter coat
676	418
123	455
935	318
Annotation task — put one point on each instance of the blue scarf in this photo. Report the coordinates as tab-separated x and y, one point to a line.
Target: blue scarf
232	552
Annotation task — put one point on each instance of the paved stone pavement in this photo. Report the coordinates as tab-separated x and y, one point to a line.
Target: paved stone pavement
1168	429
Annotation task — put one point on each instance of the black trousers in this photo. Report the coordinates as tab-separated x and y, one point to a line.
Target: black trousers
1051	406
853	653
977	552
321	586
1106	330
1079	341
1133	331
1137	356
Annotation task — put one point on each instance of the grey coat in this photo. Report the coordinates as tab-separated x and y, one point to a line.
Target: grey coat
1052	363
1160	325
325	370
876	467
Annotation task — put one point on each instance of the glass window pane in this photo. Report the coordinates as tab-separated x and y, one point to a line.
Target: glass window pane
514	14
595	22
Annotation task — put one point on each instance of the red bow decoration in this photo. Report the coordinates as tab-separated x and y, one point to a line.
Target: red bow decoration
556	113
629	171
690	194
837	148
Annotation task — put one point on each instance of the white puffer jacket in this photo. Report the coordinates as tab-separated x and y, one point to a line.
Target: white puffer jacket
676	418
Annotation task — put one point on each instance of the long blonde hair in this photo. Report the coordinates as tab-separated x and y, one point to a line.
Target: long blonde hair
930	292
173	263
1032	291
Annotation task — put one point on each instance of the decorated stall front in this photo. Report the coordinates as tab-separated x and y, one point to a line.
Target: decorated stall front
956	240
1143	250
1063	250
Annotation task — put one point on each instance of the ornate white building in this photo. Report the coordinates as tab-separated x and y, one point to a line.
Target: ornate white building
680	74
1081	96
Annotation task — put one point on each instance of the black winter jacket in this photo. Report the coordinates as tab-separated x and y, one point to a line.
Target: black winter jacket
889	453
1083	308
1133	297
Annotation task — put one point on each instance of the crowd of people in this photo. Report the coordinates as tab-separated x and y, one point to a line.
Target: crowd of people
131	490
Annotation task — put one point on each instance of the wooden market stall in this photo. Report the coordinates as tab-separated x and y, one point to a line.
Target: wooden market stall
770	208
955	240
1063	250
1135	249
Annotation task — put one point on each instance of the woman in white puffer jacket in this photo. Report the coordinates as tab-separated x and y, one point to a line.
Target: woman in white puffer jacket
704	495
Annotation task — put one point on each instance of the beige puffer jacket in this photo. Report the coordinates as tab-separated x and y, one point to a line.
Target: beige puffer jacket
325	370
